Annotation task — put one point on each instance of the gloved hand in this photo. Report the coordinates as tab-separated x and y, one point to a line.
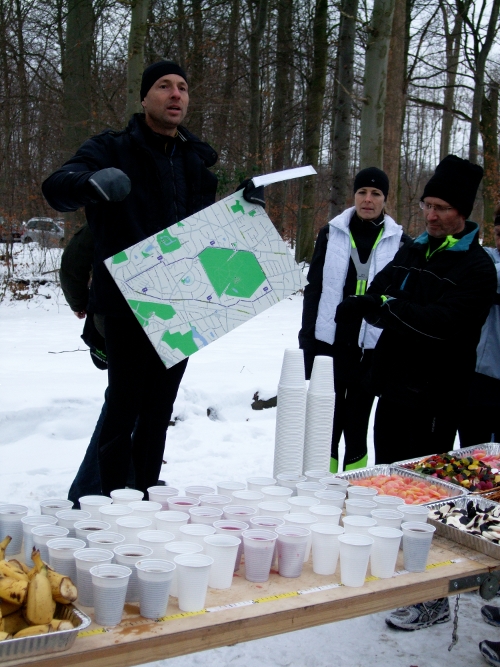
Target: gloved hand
357	306
252	194
111	184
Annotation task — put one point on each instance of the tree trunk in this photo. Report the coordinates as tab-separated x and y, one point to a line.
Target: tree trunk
341	134
196	68
232	44
452	41
181	34
258	12
316	93
374	85
491	180
135	65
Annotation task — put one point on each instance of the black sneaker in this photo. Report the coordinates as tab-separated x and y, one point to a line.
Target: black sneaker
491	615
419	616
490	652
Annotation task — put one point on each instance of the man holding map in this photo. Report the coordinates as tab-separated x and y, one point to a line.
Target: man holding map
133	184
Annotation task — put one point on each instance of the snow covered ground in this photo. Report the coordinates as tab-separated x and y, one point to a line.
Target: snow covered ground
50	398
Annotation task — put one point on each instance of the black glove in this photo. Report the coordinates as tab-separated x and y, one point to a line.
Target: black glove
252	194
357	306
111	184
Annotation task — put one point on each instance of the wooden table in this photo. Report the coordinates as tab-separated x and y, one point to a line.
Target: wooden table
260	610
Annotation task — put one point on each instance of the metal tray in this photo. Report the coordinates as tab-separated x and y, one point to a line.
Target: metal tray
453	490
61	640
461	537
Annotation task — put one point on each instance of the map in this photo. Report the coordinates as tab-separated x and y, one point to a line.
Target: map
195	281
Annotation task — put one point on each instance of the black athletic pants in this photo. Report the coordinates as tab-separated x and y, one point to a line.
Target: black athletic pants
140	399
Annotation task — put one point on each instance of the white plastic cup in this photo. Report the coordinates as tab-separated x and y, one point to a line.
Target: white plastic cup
92	503
223	549
335	483
384	553
361	507
130	526
173	549
42	534
160	494
129	555
387	502
50	506
235	528
354	556
61	555
30	522
197	491
418	513
105	539
239	512
196	532
271	508
291	545
110	513
361	492
304	520
335	498
268	523
206	515
68	518
171	521
276	493
290	479
154	578
390	518
156	540
248	497
325	547
84	528
417	538
109	585
193	571
317	475
126	496
11	524
226	488
357	523
182	503
259	483
326	513
302	503
292	369
145	508
258	546
309	488
215	500
84	560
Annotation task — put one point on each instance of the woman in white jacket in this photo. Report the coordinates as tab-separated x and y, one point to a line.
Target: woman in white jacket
349	251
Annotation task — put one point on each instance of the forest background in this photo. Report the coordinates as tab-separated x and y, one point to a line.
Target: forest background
396	84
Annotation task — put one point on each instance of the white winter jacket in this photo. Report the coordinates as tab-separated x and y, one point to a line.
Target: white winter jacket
337	257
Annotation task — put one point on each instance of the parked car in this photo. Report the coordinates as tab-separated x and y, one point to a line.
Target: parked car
46	231
10	232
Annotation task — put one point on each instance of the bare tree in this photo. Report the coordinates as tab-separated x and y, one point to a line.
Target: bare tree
491	181
258	16
135	65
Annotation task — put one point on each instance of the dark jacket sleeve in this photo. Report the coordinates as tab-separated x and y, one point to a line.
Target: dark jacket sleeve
76	268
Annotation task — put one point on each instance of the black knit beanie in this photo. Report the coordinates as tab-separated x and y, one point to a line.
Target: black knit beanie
371	177
456	182
155	71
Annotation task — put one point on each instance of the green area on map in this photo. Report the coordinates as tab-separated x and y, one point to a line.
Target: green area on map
236	273
120	257
182	342
145	310
167	242
237	207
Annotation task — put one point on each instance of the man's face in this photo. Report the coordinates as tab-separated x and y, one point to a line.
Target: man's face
496	233
441	219
166	104
369	203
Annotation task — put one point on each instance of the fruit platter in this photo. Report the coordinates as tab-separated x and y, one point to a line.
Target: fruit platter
414	488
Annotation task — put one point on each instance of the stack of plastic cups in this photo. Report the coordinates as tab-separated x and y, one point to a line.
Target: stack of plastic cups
84	528
171	521
42	534
109	584
304	520
156	540
193	571
384	553
30	522
154	578
335	498
130	527
291	546
85	559
259	483
92	503
319	416
235	528
358	524
129	555
145	509
325	547
195	532
126	496
354	556
62	555
52	506
268	523
227	488
290	480
173	549
223	549
11	524
68	518
417	538
110	513
205	514
326	513
274	509
215	500
258	546
197	491
390	518
290	415
160	494
276	493
309	488
181	503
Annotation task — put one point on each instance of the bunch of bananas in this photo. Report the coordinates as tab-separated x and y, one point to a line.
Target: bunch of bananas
28	597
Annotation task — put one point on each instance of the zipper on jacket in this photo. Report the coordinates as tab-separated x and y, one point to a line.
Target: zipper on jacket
173	183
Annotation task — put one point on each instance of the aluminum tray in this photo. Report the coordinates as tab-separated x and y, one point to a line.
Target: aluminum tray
26	647
461	537
453	490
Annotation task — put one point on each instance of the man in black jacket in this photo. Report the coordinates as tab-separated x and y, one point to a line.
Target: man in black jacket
133	184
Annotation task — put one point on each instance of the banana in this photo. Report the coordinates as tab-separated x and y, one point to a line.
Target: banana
63	589
39	603
7	570
7	608
14	622
4	635
20	567
40	629
1	622
57	624
3	545
12	590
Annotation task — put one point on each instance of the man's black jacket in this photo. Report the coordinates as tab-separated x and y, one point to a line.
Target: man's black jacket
432	319
166	187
